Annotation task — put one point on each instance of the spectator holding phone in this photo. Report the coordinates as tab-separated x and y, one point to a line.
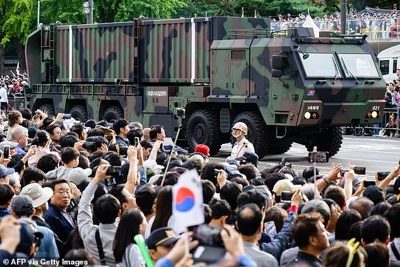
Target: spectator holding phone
98	239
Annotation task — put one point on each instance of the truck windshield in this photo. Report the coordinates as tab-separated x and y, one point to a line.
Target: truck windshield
360	65
330	69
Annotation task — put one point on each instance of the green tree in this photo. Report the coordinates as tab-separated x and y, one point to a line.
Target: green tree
130	9
17	23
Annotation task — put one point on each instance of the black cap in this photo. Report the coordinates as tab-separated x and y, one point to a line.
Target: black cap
161	237
248	157
375	194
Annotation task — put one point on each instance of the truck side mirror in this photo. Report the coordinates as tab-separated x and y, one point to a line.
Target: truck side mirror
276	73
277	62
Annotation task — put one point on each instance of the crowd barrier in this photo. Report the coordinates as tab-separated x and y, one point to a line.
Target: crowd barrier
16	102
388	127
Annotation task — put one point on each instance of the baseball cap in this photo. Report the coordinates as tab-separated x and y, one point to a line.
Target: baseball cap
283	185
78	175
248	157
203	149
28	232
5	171
38	194
161	237
374	193
7	143
22	204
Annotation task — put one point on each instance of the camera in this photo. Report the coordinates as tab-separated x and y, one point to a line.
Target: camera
382	175
286	196
216	173
211	246
92	146
360	170
116	176
114	170
180	113
369	183
318	157
67	116
208	235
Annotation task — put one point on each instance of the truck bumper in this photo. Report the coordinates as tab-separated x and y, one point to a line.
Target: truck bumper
314	112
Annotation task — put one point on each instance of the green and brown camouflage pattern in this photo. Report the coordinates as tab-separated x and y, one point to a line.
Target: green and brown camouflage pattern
145	69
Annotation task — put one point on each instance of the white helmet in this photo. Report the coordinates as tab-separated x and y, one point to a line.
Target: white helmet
240	126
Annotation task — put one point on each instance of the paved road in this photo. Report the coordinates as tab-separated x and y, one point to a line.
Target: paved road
374	153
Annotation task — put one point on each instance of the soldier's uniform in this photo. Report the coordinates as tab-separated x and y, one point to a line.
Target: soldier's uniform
240	147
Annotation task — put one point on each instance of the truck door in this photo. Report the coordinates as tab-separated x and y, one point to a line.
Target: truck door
239	68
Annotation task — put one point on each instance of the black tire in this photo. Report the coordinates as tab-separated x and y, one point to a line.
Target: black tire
48	108
79	113
113	113
257	131
276	148
203	128
330	139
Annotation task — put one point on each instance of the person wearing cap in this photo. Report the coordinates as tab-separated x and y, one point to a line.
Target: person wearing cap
203	149
4	174
160	243
22	207
242	145
248	157
30	239
40	197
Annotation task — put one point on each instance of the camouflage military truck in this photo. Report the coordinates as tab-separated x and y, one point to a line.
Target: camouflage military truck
287	88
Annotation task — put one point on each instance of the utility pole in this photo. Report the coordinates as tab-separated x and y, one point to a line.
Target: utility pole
38	14
88	9
343	13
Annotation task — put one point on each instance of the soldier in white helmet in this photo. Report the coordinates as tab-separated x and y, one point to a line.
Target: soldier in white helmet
242	145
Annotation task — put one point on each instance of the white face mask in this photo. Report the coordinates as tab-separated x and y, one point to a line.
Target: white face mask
236	135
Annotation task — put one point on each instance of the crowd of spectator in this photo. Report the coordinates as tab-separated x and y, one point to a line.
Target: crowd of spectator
10	87
376	26
82	192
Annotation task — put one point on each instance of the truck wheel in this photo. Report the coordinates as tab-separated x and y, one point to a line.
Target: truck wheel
113	113
49	108
203	128
279	148
330	139
257	131
79	113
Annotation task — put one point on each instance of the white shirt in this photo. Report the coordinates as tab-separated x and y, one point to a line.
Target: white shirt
3	95
240	147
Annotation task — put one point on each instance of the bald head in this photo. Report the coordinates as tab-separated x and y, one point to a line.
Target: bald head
363	205
146	133
249	220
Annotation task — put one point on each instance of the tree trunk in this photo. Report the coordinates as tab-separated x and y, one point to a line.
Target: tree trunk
1	60
20	53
